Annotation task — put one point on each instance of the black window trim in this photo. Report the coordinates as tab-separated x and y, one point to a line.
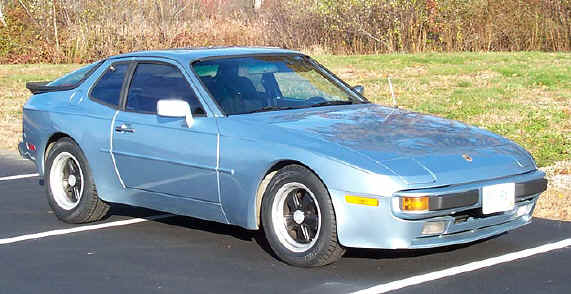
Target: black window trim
118	106
127	84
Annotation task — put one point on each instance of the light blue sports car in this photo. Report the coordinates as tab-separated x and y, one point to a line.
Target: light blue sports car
266	138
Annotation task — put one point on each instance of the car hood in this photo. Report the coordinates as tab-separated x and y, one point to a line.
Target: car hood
420	148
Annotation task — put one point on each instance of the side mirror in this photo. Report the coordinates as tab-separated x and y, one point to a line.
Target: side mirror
175	108
359	89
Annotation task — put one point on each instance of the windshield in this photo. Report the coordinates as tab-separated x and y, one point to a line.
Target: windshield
264	83
73	78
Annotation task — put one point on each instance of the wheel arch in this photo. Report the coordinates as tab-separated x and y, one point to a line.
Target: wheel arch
268	175
50	143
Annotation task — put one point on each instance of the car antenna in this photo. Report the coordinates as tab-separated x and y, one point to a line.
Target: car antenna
392	92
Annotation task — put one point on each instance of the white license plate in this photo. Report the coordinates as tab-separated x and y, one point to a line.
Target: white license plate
497	198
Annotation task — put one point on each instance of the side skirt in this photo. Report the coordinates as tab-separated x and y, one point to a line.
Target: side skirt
174	204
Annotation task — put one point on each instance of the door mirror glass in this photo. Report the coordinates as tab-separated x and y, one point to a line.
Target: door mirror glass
359	89
175	108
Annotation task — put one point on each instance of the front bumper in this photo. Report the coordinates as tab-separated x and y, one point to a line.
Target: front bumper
384	227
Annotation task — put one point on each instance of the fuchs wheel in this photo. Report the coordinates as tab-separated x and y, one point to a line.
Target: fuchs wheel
66	180
70	187
299	220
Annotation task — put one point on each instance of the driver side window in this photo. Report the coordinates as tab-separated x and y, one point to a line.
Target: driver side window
152	82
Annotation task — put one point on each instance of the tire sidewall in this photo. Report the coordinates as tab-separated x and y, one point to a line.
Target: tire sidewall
301	175
82	209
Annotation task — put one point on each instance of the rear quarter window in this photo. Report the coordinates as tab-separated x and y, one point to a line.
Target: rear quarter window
74	78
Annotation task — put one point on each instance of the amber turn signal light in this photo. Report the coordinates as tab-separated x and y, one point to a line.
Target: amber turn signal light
362	200
414	203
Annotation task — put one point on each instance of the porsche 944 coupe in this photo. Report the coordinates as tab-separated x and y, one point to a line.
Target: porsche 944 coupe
267	138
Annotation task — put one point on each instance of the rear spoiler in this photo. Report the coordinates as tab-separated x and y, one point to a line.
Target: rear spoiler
42	87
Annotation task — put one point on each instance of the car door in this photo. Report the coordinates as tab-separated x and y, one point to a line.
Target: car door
162	154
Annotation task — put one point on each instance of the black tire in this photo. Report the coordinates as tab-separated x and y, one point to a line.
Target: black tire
87	207
323	248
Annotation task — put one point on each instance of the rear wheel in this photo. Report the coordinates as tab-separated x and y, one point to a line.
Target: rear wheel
70	186
299	220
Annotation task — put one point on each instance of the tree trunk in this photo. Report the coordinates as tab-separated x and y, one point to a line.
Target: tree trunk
2	20
55	24
257	4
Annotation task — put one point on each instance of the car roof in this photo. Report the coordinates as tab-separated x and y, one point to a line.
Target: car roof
192	54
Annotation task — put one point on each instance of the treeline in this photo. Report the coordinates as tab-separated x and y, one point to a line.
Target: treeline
84	30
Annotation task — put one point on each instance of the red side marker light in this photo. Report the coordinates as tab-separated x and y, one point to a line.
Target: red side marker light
31	147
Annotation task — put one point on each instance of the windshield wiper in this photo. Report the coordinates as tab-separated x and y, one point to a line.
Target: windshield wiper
334	102
274	108
268	108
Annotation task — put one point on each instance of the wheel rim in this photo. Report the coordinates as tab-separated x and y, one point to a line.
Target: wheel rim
66	181
296	217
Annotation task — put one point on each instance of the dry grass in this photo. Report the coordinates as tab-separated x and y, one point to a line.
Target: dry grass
556	202
523	96
13	95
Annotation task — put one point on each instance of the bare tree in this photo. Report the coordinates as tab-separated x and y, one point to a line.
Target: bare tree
257	4
2	20
55	23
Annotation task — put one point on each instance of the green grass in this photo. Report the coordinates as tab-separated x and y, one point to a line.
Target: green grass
524	96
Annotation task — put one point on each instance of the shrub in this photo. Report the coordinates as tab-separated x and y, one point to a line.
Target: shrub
83	30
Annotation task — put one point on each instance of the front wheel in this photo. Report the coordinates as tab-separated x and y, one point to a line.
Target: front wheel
70	186
299	220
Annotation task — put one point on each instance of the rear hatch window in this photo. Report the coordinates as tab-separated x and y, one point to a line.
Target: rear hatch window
66	82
